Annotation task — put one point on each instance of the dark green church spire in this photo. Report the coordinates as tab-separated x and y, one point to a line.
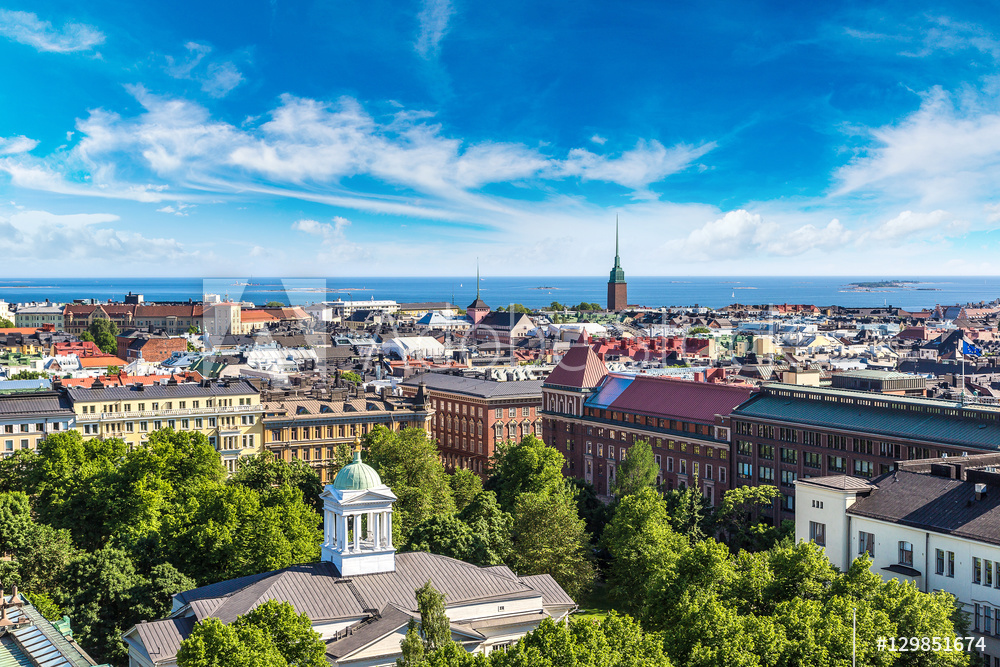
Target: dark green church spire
617	273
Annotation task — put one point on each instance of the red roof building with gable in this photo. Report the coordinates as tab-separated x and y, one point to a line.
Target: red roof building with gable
593	417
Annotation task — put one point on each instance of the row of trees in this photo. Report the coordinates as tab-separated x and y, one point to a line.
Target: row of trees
525	517
107	534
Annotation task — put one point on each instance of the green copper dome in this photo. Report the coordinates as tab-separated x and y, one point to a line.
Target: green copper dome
356	476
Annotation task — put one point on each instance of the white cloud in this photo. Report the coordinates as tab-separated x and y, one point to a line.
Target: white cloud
741	234
218	78
334	245
647	163
19	144
433	19
944	153
598	139
907	226
27	28
44	237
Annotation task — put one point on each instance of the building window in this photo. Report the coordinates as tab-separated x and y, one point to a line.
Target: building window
977	570
988	572
866	543
511	412
788	477
708	471
939	561
765	451
951	564
788	502
670	464
722	475
906	554
817	533
684	466
744	470
765	474
789	455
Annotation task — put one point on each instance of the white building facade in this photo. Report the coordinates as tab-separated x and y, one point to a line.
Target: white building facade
934	522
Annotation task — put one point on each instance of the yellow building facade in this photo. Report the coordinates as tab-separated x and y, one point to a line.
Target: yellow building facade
229	413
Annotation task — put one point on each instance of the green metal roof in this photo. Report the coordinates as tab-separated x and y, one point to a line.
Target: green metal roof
893	423
356	476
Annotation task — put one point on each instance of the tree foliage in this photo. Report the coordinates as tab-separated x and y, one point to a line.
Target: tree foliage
408	463
549	537
5	323
638	471
267	471
528	466
435	628
105	334
28	375
465	485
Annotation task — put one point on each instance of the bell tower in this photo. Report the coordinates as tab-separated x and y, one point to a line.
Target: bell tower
617	287
357	520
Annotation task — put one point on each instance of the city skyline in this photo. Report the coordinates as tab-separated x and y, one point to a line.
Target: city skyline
405	140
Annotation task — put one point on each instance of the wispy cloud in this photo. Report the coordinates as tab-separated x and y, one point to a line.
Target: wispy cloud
307	148
27	28
433	21
217	78
334	245
19	144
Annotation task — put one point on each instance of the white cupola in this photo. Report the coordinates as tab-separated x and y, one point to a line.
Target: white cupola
357	521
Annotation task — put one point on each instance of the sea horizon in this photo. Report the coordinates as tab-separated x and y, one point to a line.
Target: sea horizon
532	291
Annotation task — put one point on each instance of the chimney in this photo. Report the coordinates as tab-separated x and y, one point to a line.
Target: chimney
4	619
15	600
980	491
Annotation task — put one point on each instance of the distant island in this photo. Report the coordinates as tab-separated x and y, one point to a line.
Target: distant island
882	284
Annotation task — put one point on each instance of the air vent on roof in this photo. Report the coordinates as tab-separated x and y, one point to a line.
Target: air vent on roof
980	491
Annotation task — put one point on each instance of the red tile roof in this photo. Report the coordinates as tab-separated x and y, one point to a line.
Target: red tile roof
124	379
257	316
579	368
101	362
680	399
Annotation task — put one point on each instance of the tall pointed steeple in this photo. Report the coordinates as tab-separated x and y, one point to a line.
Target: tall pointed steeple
478	309
617	289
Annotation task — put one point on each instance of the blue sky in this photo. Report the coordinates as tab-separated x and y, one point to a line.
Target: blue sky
319	138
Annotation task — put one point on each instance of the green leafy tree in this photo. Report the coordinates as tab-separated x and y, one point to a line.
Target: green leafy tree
555	305
290	632
5	323
350	376
735	515
227	531
550	538
412	647
17	471
214	644
28	375
193	330
274	304
105	595
435	627
529	466
443	534
407	462
594	511
105	335
465	485
689	512
45	605
638	471
492	528
698	330
86	337
642	545
113	370
266	471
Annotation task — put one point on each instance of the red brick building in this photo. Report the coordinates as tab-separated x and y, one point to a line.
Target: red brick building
151	347
593	417
471	416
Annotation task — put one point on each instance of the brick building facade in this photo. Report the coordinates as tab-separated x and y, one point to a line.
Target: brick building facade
787	432
472	416
593	417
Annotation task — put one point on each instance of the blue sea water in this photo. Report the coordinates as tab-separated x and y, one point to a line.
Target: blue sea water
532	292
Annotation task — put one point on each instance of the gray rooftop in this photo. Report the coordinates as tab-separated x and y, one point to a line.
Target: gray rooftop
478	388
933	503
154	391
892	417
318	590
34	404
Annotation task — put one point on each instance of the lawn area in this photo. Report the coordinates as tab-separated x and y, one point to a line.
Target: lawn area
595	605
